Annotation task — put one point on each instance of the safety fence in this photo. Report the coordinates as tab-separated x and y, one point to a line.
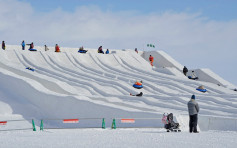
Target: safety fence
11	125
137	123
101	123
72	123
217	123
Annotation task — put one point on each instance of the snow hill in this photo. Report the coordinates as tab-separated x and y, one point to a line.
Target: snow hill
72	85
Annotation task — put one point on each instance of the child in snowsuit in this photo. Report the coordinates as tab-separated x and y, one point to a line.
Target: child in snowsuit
107	51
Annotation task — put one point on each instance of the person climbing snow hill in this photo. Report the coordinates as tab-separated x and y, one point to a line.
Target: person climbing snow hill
151	59
138	95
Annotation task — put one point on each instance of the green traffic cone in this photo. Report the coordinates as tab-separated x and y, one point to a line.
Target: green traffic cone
113	124
33	124
41	125
103	123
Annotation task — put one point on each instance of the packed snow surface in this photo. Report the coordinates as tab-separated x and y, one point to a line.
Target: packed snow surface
119	138
92	86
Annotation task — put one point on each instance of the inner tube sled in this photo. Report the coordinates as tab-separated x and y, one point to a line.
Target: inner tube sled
82	51
190	77
137	86
202	90
32	49
30	68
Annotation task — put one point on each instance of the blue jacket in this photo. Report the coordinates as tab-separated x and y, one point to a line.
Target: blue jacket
23	44
107	52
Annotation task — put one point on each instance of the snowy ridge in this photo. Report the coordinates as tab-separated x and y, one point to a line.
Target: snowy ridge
69	84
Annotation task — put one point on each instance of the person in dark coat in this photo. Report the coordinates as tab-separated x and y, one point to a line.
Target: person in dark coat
138	95
193	110
136	50
100	50
3	45
185	70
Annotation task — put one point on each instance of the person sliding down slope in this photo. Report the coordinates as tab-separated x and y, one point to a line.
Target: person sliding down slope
138	95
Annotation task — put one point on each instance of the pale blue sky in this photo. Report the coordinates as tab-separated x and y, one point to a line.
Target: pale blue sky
214	9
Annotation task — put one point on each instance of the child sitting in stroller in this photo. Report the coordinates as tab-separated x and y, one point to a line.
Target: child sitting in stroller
169	124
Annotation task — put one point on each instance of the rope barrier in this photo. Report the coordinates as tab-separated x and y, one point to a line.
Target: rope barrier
7	125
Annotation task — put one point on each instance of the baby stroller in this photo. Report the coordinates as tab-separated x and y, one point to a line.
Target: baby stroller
169	124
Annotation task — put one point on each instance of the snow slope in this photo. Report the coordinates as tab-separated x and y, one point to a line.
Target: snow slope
92	85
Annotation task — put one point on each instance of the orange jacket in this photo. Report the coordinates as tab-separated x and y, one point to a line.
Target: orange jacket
151	58
138	83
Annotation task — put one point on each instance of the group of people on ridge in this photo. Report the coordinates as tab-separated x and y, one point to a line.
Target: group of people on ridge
100	50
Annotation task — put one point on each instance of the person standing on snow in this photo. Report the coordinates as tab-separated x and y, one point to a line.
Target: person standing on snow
185	70
46	48
151	59
3	45
23	45
193	110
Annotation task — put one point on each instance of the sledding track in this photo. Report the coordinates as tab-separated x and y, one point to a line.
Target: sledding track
108	79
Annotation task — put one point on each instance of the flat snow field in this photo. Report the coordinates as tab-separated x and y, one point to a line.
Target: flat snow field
144	138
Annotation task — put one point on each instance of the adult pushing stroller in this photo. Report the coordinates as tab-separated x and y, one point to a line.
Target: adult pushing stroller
169	124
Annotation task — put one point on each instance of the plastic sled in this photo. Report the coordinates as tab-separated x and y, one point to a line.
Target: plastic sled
202	90
82	51
137	86
192	78
30	69
32	49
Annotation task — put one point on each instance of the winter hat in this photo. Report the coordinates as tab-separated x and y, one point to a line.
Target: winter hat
193	97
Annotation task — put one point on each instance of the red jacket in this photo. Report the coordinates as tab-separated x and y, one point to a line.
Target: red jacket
57	49
151	58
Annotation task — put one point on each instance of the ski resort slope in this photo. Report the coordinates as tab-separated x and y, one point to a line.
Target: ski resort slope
72	85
